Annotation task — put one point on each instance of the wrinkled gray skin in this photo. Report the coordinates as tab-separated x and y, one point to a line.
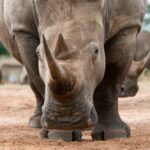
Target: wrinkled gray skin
141	61
76	53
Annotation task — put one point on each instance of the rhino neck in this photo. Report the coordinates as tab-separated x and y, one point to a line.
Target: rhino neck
66	11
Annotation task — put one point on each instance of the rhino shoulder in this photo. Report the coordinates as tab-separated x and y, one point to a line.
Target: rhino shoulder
19	16
124	14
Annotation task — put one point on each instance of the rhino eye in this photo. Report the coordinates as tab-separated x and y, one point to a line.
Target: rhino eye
95	54
94	47
96	51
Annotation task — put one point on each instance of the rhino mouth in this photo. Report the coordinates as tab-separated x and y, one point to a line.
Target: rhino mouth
77	116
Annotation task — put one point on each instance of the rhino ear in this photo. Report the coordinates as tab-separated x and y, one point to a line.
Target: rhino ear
61	46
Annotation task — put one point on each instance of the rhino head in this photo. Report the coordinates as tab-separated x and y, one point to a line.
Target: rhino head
71	62
130	85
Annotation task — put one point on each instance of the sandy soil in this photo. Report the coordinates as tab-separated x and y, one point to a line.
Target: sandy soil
17	104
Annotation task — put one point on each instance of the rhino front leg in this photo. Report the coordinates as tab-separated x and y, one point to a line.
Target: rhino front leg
119	54
27	45
35	119
109	124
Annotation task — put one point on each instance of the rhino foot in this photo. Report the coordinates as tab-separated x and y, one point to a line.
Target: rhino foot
103	132
65	135
43	133
35	121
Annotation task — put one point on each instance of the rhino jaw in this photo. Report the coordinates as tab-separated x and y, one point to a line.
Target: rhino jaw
77	116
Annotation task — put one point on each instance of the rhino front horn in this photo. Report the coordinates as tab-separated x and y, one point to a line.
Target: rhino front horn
56	71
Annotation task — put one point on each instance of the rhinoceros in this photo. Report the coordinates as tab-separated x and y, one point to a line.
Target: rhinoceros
141	61
76	53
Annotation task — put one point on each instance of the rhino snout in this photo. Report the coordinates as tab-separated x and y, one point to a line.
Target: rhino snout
128	91
77	120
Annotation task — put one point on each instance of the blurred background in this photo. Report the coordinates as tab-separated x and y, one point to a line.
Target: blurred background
146	23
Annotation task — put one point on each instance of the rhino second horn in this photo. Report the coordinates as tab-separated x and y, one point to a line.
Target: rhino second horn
146	59
141	64
56	71
61	46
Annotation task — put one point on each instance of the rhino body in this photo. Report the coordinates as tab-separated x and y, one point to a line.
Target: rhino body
76	53
141	61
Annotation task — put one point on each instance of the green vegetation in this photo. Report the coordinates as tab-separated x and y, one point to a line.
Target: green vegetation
146	22
3	50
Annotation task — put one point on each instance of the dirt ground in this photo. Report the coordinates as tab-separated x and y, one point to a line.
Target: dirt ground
17	104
